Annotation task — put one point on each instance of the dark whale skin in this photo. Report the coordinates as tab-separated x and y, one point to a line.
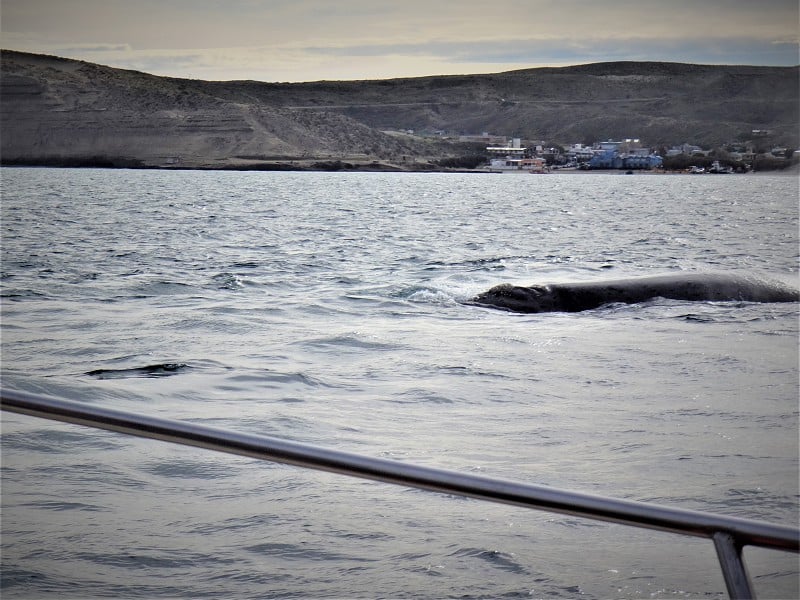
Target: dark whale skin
576	297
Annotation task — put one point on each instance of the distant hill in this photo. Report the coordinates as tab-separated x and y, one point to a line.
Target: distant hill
63	111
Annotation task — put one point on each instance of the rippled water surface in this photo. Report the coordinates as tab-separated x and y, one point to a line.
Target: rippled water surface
328	309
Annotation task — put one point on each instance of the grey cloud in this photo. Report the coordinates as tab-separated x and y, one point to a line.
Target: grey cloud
566	50
98	48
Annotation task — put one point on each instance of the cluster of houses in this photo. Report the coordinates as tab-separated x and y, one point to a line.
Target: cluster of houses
744	153
627	154
506	154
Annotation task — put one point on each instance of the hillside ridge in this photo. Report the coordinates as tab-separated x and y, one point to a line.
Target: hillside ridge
58	110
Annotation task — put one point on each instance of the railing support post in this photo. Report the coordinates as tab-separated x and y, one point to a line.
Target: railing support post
733	567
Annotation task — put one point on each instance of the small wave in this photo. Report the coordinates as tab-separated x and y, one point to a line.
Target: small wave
466	371
59	506
696	318
23	294
294	552
155	558
448	294
228	281
59	442
789	575
497	263
233	524
420	396
14	576
501	560
246	265
428	296
576	523
347	342
283	379
187	469
162	288
157	370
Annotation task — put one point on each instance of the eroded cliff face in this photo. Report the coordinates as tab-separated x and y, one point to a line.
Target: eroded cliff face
58	109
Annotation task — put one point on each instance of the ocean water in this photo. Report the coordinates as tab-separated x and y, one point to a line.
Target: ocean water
328	308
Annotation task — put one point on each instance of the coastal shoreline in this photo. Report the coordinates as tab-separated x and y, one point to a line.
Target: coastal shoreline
60	112
337	166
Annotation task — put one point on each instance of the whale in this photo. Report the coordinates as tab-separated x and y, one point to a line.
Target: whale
587	295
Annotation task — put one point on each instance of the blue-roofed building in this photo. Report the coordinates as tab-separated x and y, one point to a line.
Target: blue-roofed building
606	159
610	155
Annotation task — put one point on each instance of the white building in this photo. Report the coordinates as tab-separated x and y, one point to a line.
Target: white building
579	153
507	157
687	149
485	137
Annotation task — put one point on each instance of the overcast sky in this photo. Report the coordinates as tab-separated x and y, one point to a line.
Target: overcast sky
306	40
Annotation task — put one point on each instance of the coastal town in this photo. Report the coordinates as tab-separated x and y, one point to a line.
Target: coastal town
65	113
631	154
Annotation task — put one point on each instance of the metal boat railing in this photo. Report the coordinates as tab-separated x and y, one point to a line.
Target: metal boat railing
729	534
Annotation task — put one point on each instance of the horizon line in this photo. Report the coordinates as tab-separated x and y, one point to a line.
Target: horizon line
390	78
